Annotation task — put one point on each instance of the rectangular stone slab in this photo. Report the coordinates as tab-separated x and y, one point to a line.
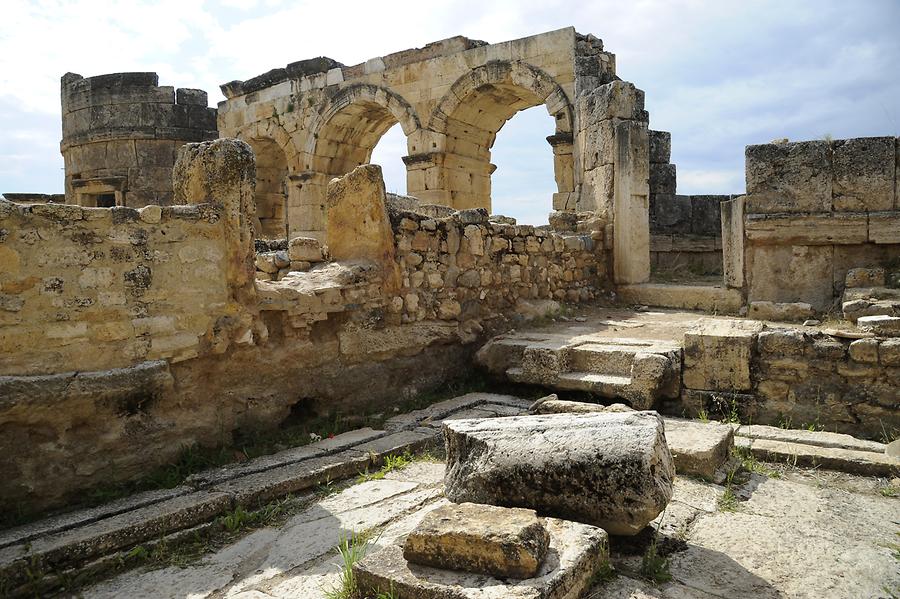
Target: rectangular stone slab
575	553
483	539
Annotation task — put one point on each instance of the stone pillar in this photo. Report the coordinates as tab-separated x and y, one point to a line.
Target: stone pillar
223	172
733	242
306	204
426	178
357	224
613	145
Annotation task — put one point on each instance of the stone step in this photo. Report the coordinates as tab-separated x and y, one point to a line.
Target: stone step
817	438
853	461
881	325
602	359
604	385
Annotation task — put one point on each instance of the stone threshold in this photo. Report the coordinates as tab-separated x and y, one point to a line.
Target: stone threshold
715	299
86	537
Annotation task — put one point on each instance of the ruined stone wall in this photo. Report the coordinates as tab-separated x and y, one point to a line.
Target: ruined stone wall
792	377
121	133
813	211
685	234
465	267
128	334
685	231
96	288
832	383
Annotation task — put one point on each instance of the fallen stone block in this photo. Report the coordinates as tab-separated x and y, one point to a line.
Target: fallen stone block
699	448
305	249
578	551
610	470
484	539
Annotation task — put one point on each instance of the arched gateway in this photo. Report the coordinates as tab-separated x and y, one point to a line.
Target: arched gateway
451	98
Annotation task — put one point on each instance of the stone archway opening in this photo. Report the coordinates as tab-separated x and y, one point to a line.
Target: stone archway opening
523	181
473	112
271	188
388	154
343	137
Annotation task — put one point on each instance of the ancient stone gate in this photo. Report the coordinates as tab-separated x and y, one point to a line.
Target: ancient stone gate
317	119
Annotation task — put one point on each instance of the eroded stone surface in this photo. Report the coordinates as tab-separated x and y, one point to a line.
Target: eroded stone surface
575	552
611	470
483	539
698	448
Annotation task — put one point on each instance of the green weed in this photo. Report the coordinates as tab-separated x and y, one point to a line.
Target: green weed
352	548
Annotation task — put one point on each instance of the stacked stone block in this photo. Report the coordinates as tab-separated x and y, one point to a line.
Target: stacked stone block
121	134
813	211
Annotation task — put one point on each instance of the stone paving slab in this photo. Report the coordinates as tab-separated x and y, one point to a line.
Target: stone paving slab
110	534
865	463
67	521
699	448
819	438
293	455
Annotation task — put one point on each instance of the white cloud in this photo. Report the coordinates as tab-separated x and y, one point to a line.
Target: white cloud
718	75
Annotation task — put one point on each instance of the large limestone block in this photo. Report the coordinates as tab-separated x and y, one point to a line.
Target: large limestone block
864	174
501	542
789	177
809	229
699	448
717	355
785	274
610	470
357	225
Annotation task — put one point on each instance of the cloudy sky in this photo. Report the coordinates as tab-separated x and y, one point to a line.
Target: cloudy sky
718	74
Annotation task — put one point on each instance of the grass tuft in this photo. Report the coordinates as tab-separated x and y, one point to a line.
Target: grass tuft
352	548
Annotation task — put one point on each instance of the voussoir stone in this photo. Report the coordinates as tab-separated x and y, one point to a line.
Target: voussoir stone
485	539
612	470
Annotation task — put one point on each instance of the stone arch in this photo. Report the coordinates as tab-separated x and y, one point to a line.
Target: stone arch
471	113
351	123
340	137
271	187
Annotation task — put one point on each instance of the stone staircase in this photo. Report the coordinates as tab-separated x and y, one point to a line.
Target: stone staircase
870	292
639	371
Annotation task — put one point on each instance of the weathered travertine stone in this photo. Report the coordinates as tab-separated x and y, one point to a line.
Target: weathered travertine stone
863	174
357	221
223	171
611	470
865	277
791	177
578	551
551	404
781	311
717	355
699	448
305	249
883	326
501	542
